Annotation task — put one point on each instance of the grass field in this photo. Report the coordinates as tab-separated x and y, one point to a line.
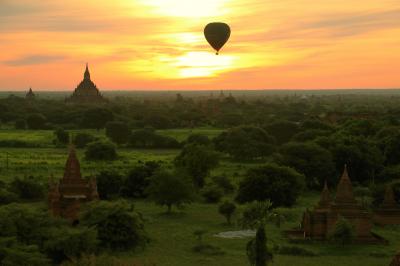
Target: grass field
172	235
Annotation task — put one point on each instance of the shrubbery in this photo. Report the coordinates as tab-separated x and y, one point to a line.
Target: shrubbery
118	225
29	188
83	139
103	151
149	139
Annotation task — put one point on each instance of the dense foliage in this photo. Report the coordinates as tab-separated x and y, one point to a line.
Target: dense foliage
282	185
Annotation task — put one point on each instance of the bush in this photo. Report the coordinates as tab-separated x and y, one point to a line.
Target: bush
29	188
168	189
148	139
20	124
118	226
98	150
224	183
198	139
282	185
245	143
83	139
36	121
65	243
62	136
138	180
11	143
118	132
109	184
197	161
7	197
296	251
207	249
309	159
14	253
212	193
344	232
227	209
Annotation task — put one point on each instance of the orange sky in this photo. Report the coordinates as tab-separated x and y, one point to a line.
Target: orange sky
159	44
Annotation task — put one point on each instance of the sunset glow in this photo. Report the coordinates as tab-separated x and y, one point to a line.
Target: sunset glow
159	44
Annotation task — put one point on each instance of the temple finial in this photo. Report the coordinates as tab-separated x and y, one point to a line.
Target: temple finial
87	73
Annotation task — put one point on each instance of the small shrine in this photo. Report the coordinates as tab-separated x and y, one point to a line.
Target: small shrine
66	196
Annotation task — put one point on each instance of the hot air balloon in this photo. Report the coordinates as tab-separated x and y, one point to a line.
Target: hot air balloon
217	34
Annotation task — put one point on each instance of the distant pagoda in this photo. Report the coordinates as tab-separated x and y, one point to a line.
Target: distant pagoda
87	91
30	95
66	196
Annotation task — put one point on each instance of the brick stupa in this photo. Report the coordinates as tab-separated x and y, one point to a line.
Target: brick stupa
318	223
66	196
389	211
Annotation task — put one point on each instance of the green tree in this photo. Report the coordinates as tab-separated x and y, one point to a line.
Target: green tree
245	142
102	151
280	184
83	139
168	189
197	138
118	132
197	161
96	118
343	232
109	184
20	124
14	253
309	159
36	121
282	130
118	225
66	243
30	188
227	209
256	215
62	136
138	179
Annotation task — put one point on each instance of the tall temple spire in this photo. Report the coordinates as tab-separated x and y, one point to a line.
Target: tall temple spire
325	200
344	193
72	167
87	74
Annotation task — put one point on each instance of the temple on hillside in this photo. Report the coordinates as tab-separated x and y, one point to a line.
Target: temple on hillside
389	211
30	95
66	196
87	91
318	223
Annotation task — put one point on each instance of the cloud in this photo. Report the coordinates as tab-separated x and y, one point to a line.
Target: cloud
33	60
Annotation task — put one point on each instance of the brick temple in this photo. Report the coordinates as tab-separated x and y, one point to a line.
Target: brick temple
86	91
66	196
318	223
389	211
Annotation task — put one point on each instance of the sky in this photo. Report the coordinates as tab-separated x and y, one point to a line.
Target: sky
159	44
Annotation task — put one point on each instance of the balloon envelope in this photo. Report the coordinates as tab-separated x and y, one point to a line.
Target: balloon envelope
217	34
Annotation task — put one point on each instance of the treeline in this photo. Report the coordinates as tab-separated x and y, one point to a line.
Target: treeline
221	112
